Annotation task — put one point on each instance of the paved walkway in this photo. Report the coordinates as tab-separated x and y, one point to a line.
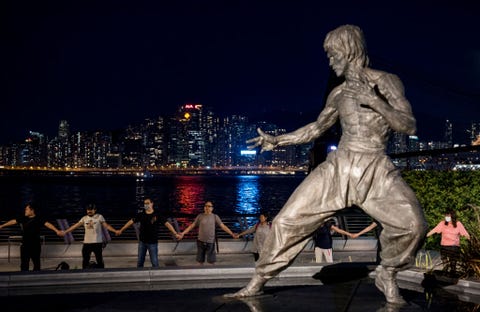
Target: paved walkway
182	260
182	285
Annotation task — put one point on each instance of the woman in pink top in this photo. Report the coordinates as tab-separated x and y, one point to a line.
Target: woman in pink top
451	230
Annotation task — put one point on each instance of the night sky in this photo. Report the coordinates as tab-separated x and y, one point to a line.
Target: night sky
106	64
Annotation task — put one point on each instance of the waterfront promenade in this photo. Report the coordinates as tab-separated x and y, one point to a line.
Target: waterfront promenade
121	254
179	284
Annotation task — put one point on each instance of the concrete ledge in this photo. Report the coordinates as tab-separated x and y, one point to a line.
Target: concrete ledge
194	277
466	289
461	286
83	281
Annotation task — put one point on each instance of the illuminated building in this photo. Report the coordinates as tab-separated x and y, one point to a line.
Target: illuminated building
133	147
155	142
474	131
188	136
448	134
63	130
60	149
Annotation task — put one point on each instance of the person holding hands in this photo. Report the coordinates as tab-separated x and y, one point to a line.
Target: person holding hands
31	224
451	230
323	240
261	229
93	237
149	221
206	223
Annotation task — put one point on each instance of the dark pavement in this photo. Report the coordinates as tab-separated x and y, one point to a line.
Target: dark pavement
339	287
180	286
355	295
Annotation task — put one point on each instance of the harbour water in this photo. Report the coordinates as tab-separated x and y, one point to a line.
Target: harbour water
121	197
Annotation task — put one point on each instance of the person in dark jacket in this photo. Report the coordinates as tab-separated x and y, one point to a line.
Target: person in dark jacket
324	241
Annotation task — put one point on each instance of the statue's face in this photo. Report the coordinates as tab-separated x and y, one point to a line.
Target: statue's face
337	62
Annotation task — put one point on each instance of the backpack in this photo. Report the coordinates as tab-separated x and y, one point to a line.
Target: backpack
62	266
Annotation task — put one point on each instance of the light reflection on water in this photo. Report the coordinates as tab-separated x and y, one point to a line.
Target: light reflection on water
122	197
248	195
188	194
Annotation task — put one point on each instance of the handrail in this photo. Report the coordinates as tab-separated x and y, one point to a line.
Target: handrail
351	221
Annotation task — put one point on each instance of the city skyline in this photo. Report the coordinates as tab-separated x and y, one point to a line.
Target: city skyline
193	137
277	118
196	137
102	65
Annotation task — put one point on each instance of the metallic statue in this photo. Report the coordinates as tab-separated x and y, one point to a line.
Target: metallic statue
369	104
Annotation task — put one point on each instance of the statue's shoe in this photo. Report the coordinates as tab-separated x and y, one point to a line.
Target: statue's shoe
244	293
386	282
254	288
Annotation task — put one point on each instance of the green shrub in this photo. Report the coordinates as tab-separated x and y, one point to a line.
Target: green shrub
437	191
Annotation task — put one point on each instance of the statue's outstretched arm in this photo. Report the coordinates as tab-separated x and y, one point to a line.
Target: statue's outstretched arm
305	134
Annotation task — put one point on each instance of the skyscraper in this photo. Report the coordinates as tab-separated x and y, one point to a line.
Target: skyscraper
188	136
448	133
63	130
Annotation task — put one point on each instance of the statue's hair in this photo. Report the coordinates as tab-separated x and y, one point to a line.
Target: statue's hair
348	40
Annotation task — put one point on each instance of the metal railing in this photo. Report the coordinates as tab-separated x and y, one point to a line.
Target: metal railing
350	221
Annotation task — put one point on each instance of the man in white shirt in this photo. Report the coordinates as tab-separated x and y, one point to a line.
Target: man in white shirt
93	239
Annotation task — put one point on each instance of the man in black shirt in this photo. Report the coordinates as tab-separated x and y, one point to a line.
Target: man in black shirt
148	239
30	224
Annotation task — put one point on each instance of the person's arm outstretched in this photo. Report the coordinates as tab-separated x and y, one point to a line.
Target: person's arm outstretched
250	230
463	231
188	229
365	230
172	230
53	228
226	229
110	228
73	227
126	226
435	230
339	230
8	223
